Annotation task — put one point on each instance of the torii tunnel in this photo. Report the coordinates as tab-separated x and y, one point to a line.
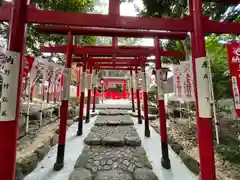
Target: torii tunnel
19	13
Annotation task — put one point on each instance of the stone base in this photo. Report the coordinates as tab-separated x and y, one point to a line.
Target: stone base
113	136
113	112
126	159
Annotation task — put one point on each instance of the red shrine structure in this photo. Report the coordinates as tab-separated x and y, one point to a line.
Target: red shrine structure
19	13
113	81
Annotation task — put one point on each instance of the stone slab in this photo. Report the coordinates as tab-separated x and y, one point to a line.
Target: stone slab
81	174
127	159
115	120
113	136
144	174
113	112
151	117
113	175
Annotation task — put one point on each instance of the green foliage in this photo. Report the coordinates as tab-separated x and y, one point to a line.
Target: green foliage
67	5
177	9
116	88
107	41
119	88
59	5
217	53
237	19
34	39
230	152
173	45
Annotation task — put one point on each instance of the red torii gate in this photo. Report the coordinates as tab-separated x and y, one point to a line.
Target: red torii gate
128	52
130	68
96	50
111	66
126	61
117	60
108	80
20	13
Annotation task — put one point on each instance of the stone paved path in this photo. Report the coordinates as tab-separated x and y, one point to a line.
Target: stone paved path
113	151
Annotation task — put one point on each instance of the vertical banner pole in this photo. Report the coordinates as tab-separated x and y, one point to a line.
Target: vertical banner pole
41	106
212	100
55	94
189	116
78	81
89	81
41	113
28	105
102	92
64	106
145	99
52	103
25	86
9	128
82	97
165	161
48	92
138	97
94	93
32	92
202	94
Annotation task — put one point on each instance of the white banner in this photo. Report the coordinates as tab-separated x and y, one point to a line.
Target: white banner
133	81
56	75
178	85
203	92
83	81
66	84
144	82
188	90
89	81
160	87
39	69
47	71
9	74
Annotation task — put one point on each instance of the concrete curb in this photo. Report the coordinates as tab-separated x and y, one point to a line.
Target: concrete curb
28	163
191	163
151	117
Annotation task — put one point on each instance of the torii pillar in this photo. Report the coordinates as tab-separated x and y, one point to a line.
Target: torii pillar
132	90
124	89
145	99
138	98
64	106
89	83
9	128
94	92
161	108
82	97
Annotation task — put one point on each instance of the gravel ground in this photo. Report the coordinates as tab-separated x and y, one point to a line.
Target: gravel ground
187	137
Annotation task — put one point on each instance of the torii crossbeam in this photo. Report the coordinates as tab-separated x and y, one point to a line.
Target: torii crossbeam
126	51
